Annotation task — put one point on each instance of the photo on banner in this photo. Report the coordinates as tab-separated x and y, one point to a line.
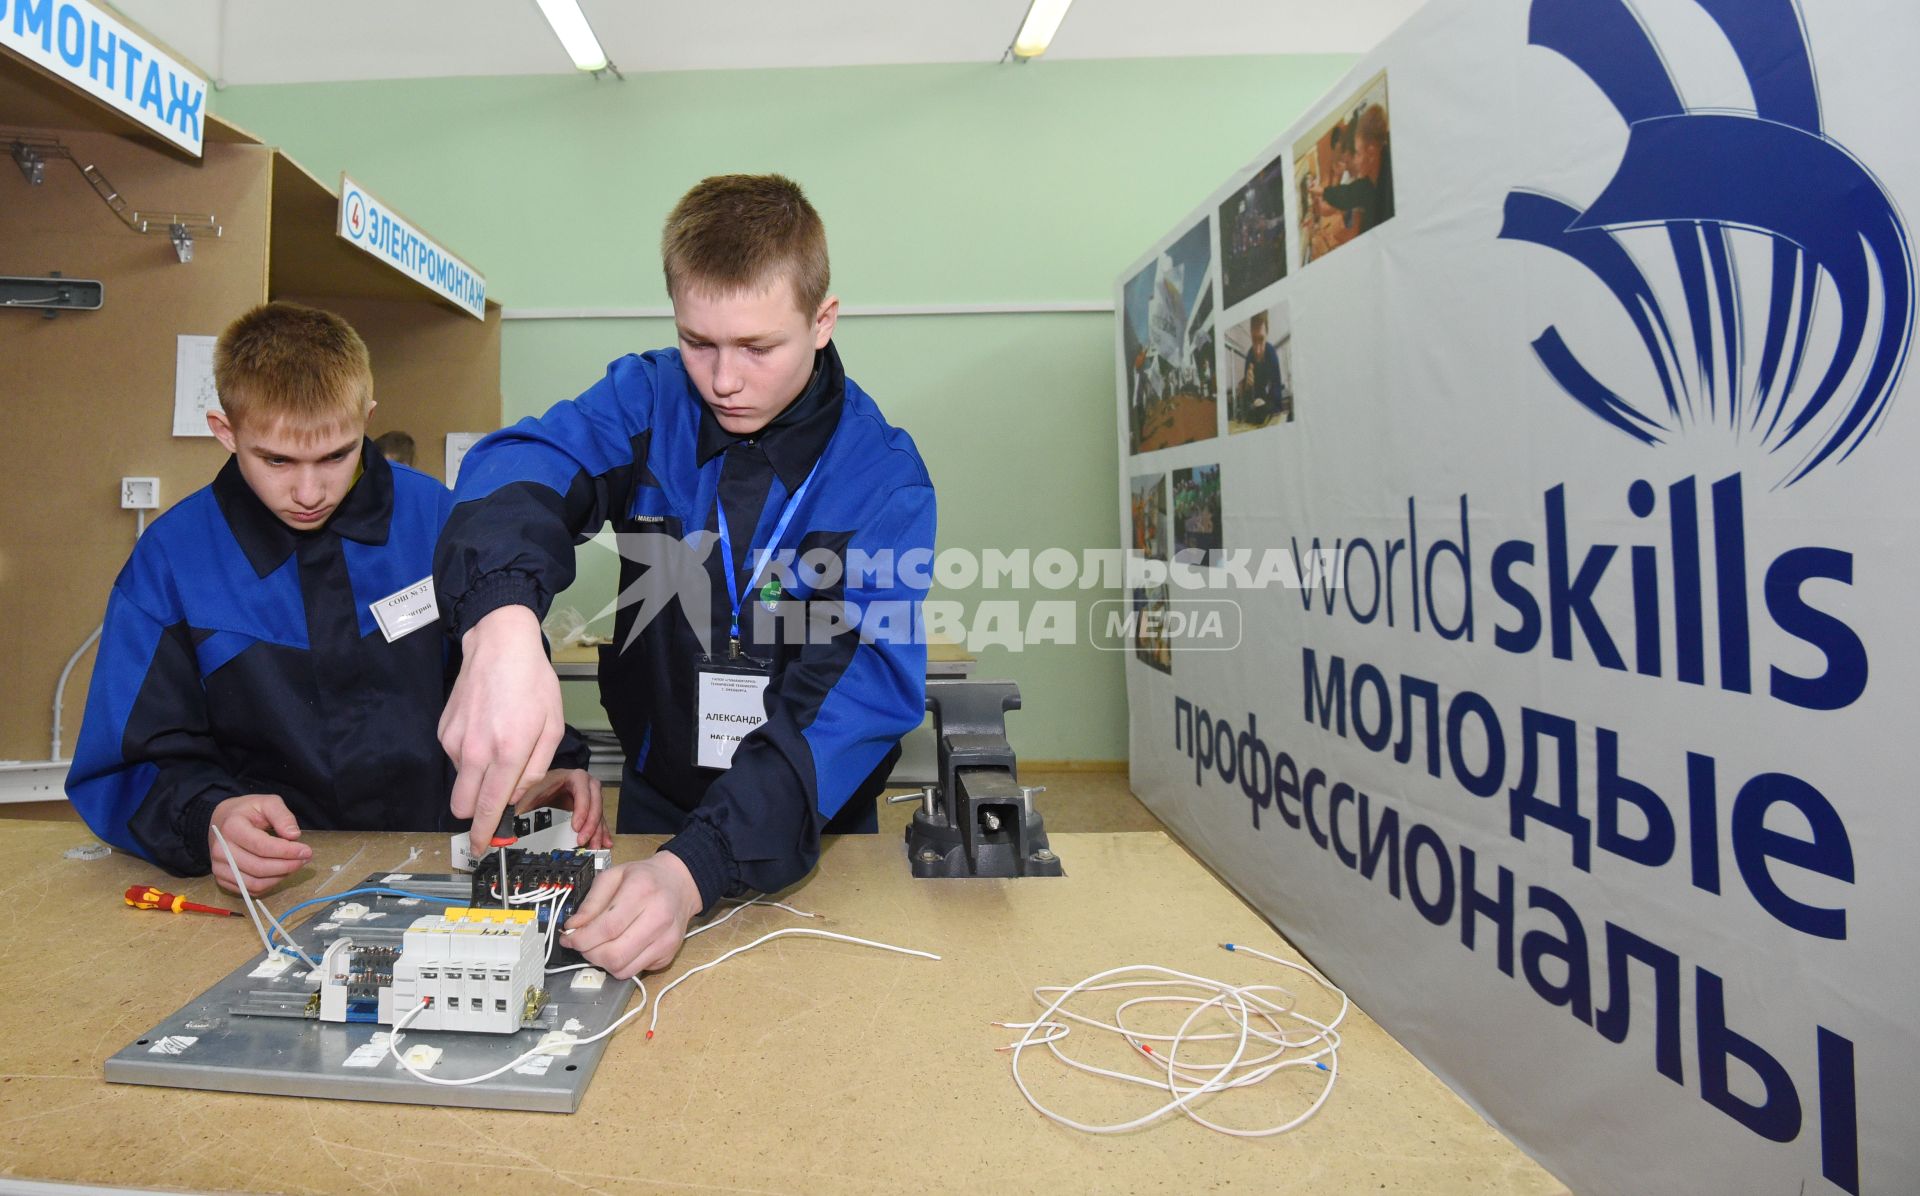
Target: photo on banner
1196	510
1172	398
1253	235
1152	641
1150	516
1343	171
1259	372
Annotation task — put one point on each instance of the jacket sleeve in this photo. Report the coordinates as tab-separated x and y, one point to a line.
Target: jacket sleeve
528	493
574	750
832	715
146	772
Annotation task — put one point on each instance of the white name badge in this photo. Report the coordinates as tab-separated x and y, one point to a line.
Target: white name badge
731	706
406	611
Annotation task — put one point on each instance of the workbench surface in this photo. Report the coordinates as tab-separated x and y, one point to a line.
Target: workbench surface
802	1066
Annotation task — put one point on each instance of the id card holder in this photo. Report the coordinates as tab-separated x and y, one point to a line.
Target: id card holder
404	612
731	703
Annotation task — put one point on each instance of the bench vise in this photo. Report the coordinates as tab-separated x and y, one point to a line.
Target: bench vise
979	820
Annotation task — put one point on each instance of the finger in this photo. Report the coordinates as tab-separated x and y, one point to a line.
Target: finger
612	962
249	839
627	954
258	874
608	910
586	803
663	943
543	792
585	928
253	866
660	953
280	818
534	773
490	802
447	732
601	838
497	790
466	786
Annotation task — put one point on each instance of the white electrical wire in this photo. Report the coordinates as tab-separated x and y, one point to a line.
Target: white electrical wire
393	1044
535	897
553	920
60	691
1184	1082
60	688
739	906
393	1040
690	973
255	909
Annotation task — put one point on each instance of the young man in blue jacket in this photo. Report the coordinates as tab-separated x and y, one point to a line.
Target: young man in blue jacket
755	701
272	658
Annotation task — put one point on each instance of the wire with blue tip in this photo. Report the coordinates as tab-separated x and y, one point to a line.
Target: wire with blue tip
1185	1083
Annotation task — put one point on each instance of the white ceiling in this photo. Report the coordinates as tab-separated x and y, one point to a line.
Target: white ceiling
299	41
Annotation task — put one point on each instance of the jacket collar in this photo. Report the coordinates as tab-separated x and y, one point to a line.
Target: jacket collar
364	515
797	436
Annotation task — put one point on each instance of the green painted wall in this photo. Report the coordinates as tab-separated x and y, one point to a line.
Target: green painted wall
939	184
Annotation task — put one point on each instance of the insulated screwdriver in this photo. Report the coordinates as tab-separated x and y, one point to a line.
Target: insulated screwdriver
147	897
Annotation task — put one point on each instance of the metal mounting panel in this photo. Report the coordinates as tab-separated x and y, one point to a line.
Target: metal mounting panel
205	1044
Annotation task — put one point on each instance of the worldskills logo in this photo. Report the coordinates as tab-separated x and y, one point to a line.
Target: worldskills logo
1781	374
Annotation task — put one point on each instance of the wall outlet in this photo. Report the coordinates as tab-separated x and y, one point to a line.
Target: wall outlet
140	494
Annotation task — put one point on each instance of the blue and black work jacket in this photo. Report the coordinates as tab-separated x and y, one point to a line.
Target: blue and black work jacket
241	656
641	451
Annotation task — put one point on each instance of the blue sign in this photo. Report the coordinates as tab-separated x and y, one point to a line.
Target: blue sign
376	228
98	54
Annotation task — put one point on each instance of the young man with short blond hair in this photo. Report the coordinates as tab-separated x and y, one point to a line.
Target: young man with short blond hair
746	440
268	663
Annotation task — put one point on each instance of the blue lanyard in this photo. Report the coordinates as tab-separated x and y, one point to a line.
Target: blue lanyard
735	594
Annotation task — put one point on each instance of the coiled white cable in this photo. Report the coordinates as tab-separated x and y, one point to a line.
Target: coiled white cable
1247	1006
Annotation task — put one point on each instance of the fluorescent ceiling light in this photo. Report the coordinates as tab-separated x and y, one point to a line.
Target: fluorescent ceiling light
1036	32
576	36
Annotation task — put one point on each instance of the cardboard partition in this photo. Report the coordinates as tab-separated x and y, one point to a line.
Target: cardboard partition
89	396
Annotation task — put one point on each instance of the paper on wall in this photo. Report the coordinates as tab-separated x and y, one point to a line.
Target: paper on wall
193	391
457	445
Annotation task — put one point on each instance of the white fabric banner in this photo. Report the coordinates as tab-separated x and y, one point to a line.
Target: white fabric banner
1562	355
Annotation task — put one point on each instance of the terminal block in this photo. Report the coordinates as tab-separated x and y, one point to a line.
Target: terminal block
571	872
544	829
480	969
352	978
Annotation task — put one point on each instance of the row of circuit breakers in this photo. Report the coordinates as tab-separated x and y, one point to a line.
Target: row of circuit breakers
481	968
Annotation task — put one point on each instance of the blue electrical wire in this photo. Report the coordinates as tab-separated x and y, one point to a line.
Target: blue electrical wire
375	891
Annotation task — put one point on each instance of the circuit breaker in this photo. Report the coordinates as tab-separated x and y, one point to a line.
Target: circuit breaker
482	969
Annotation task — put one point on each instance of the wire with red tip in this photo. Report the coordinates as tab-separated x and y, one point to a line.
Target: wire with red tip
1256	1013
